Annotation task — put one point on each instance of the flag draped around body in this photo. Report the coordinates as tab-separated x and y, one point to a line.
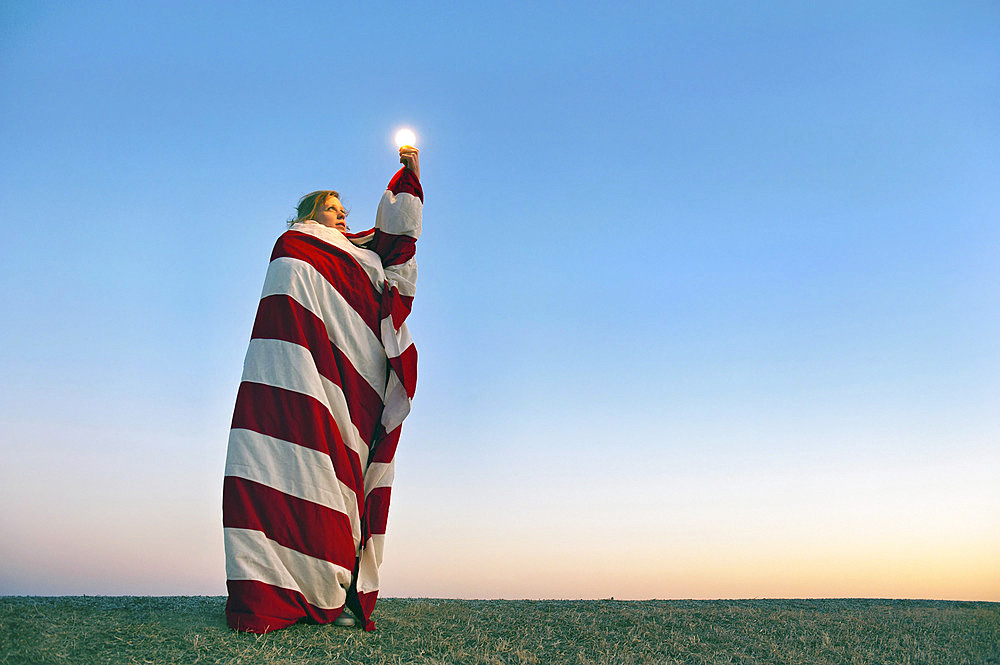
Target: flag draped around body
327	381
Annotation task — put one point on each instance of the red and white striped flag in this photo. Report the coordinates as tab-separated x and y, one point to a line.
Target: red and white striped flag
327	382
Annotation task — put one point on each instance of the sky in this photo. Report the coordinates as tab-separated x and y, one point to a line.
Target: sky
708	303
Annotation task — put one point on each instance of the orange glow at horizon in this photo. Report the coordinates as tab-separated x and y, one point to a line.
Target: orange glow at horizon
945	574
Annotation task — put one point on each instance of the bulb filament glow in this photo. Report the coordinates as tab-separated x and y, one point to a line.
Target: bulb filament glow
405	137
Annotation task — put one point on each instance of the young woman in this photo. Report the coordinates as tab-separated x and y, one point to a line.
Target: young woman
327	381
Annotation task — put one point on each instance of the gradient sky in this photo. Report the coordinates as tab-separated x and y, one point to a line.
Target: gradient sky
708	306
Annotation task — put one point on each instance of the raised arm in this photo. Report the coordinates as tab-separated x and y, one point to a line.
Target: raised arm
397	227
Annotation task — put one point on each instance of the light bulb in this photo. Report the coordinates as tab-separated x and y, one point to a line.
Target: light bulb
405	137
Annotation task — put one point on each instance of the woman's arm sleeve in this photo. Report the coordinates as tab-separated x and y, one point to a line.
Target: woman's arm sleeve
397	227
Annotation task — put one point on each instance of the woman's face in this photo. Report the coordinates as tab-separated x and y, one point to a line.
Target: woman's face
331	213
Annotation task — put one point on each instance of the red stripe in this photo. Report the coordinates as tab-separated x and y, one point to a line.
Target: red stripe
377	509
281	317
367	601
301	525
385	448
299	419
257	607
406	181
338	268
405	367
395	305
393	249
363	403
400	306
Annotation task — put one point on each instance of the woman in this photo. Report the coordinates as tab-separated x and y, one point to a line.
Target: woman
327	382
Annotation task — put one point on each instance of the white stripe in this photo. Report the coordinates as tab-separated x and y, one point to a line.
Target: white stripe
399	214
292	469
379	474
371	559
344	326
397	404
275	362
363	239
252	556
395	342
403	276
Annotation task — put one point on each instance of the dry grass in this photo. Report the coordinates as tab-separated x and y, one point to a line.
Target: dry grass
187	630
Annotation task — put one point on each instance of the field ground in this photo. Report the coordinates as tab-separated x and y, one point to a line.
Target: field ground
192	629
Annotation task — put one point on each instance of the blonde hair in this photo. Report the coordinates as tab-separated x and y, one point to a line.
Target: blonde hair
310	203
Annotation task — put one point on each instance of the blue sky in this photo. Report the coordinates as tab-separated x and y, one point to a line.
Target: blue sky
695	279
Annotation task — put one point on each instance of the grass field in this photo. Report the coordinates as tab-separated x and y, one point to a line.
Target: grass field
192	629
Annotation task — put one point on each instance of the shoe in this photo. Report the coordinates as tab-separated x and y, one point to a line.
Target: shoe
344	619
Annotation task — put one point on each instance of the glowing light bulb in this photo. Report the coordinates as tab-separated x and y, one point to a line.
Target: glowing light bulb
405	137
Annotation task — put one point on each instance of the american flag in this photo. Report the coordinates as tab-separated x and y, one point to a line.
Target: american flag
327	381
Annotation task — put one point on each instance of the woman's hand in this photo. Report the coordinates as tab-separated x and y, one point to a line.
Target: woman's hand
410	158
